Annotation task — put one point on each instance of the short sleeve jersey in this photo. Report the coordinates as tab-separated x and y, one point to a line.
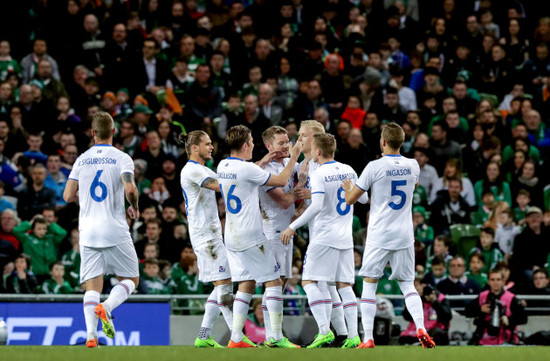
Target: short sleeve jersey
200	203
98	171
274	218
239	183
333	225
392	180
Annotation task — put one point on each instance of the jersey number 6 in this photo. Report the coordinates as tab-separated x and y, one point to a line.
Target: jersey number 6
97	183
229	198
397	192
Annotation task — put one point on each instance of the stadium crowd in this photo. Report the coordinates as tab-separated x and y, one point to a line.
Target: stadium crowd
467	80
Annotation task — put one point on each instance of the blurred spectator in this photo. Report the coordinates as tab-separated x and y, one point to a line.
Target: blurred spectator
449	208
437	272
254	327
40	240
355	152
56	284
497	313
540	287
457	283
273	112
29	64
428	174
506	232
453	169
442	147
489	249
204	100
71	260
533	237
21	280
423	232
8	65
55	180
151	280
493	180
476	274
52	89
36	196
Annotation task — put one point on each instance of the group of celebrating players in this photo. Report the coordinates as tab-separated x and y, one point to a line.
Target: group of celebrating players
261	219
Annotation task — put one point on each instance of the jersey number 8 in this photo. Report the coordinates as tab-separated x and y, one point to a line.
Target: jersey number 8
342	201
95	184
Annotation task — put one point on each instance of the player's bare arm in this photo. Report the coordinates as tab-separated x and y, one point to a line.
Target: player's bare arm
281	179
70	194
283	200
211	184
132	194
353	193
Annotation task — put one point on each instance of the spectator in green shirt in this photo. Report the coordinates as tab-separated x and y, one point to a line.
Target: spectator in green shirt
41	243
151	280
494	181
71	260
488	248
422	231
477	263
56	285
523	199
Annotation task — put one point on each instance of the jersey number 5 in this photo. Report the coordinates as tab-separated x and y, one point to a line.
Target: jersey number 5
102	187
399	193
231	197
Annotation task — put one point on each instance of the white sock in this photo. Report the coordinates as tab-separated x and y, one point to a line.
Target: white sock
240	311
120	293
368	309
337	316
317	305
267	321
226	311
91	299
274	303
350	310
211	314
413	303
323	287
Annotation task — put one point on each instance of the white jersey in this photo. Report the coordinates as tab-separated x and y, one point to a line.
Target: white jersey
312	166
102	221
274	218
333	223
392	180
239	183
200	203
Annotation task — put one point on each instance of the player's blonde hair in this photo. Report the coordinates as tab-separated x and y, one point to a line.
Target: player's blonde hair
394	135
326	143
269	133
314	125
191	139
103	125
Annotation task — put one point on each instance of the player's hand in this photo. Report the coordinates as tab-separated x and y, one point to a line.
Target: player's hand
287	235
347	185
133	213
302	193
303	173
269	157
486	308
296	150
505	321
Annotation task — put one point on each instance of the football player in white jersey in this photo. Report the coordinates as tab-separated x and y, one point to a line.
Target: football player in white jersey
329	256
390	235
250	256
100	178
277	205
308	128
199	185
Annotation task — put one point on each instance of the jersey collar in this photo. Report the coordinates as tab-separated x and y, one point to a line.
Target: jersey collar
392	155
192	161
102	145
332	161
235	158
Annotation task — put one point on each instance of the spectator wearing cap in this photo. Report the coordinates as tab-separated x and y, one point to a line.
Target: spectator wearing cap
29	64
142	115
531	247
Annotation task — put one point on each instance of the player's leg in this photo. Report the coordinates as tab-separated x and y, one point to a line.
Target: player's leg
211	314
337	318
324	288
374	262
346	277
402	263
240	311
225	300
317	303
123	262
91	274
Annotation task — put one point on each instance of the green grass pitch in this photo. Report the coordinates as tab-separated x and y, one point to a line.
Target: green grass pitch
188	353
